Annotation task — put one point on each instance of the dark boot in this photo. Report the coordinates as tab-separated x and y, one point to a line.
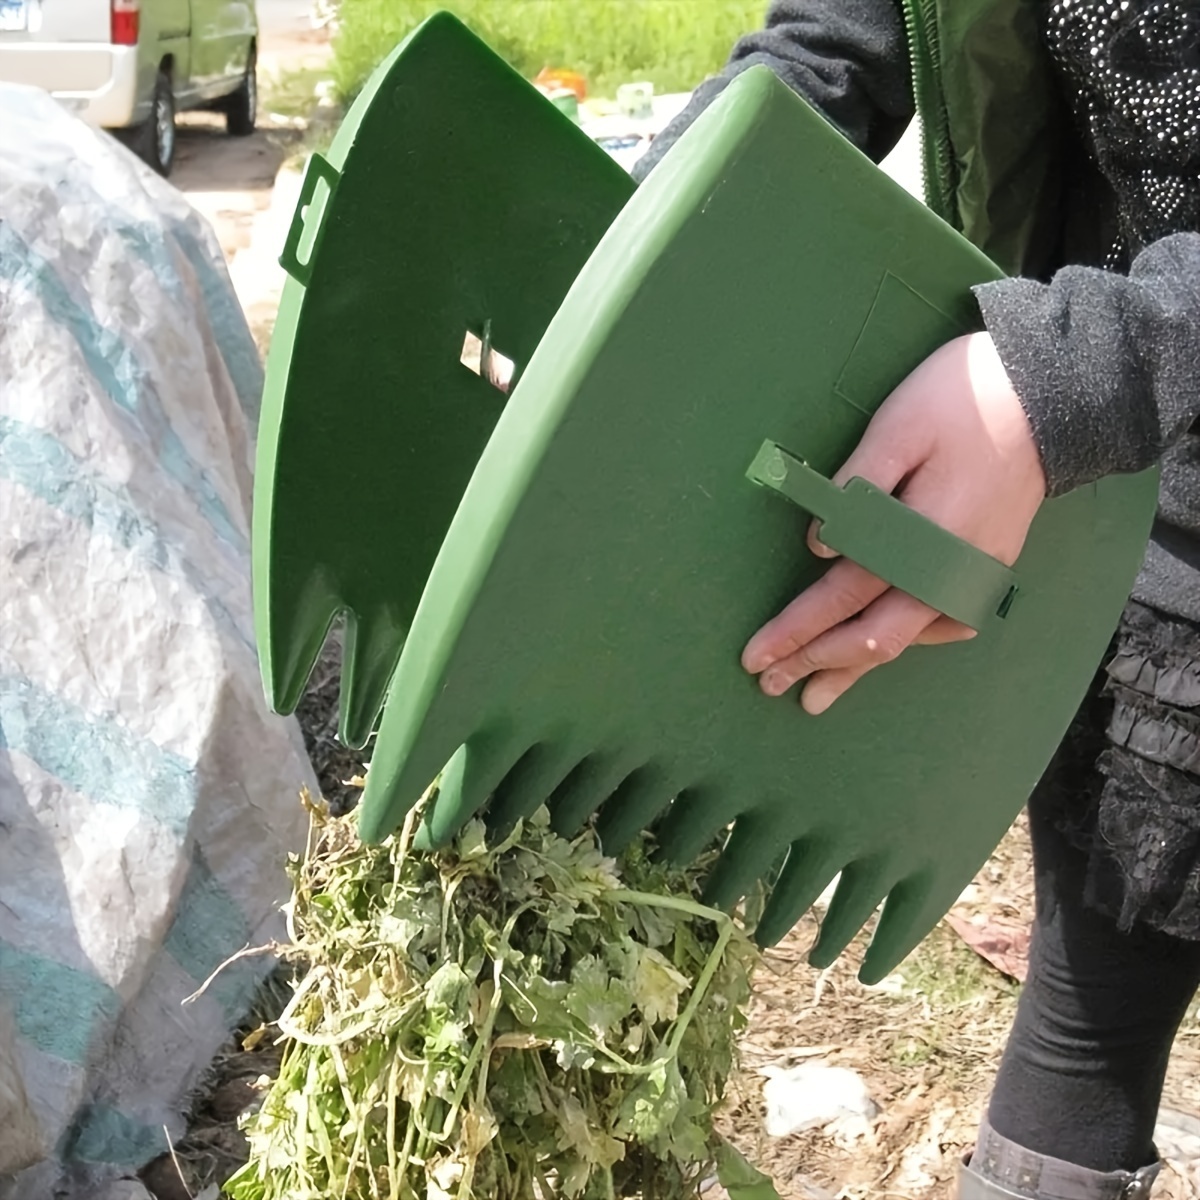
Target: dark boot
998	1169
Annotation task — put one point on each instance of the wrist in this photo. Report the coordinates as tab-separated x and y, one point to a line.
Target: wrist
1003	411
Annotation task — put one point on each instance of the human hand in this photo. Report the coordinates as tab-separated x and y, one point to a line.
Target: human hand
954	443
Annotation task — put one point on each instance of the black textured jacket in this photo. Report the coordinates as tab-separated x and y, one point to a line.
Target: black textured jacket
1106	362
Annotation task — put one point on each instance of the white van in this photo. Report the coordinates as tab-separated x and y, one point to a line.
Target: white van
130	65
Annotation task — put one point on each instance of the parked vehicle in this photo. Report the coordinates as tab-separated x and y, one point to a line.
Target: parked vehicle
131	65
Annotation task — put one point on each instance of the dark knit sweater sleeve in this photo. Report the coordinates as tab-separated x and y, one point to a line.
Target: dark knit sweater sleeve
1107	366
847	58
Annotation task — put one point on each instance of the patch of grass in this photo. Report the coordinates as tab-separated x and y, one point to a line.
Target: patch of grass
948	974
912	1052
292	93
966	1005
674	44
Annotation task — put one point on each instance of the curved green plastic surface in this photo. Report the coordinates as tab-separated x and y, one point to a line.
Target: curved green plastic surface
455	199
579	636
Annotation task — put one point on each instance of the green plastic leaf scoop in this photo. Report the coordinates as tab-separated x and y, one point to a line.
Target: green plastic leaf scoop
453	212
572	569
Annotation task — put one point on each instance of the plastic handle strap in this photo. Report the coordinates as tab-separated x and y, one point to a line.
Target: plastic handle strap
893	541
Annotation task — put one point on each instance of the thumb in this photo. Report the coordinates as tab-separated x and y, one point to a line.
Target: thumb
884	457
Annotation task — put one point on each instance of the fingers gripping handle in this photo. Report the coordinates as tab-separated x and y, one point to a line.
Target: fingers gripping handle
893	541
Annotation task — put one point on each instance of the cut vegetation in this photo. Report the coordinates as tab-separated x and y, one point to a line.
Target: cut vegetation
510	1022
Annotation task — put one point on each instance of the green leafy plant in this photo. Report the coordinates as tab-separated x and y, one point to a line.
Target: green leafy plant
520	1021
674	44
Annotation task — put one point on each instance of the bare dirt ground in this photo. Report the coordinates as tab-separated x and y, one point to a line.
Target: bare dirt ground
926	1043
229	180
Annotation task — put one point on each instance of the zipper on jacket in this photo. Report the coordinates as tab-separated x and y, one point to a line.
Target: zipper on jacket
937	152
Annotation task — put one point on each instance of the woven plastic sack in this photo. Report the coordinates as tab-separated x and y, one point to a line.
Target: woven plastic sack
147	797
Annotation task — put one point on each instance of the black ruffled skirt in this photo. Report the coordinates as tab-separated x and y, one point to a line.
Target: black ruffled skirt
1125	785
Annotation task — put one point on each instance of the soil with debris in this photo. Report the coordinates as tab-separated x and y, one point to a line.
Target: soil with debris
926	1042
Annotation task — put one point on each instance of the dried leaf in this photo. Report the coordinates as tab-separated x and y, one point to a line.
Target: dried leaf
998	940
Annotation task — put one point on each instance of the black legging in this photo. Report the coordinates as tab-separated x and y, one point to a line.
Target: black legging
1083	1071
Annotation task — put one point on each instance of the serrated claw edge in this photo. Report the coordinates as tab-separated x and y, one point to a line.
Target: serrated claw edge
531	783
860	891
811	864
633	807
586	788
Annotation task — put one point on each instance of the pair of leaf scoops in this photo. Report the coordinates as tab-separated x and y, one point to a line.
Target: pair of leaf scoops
546	590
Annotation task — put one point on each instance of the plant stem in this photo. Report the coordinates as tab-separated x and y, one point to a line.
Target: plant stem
393	1093
484	1039
678	903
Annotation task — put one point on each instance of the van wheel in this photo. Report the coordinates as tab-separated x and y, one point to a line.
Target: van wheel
241	109
154	140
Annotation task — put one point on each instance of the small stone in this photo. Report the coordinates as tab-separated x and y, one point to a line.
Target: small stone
814	1095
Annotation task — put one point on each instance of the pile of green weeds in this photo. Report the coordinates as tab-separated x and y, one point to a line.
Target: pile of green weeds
520	1021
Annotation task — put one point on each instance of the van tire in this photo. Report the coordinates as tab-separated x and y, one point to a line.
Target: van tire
154	140
241	108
